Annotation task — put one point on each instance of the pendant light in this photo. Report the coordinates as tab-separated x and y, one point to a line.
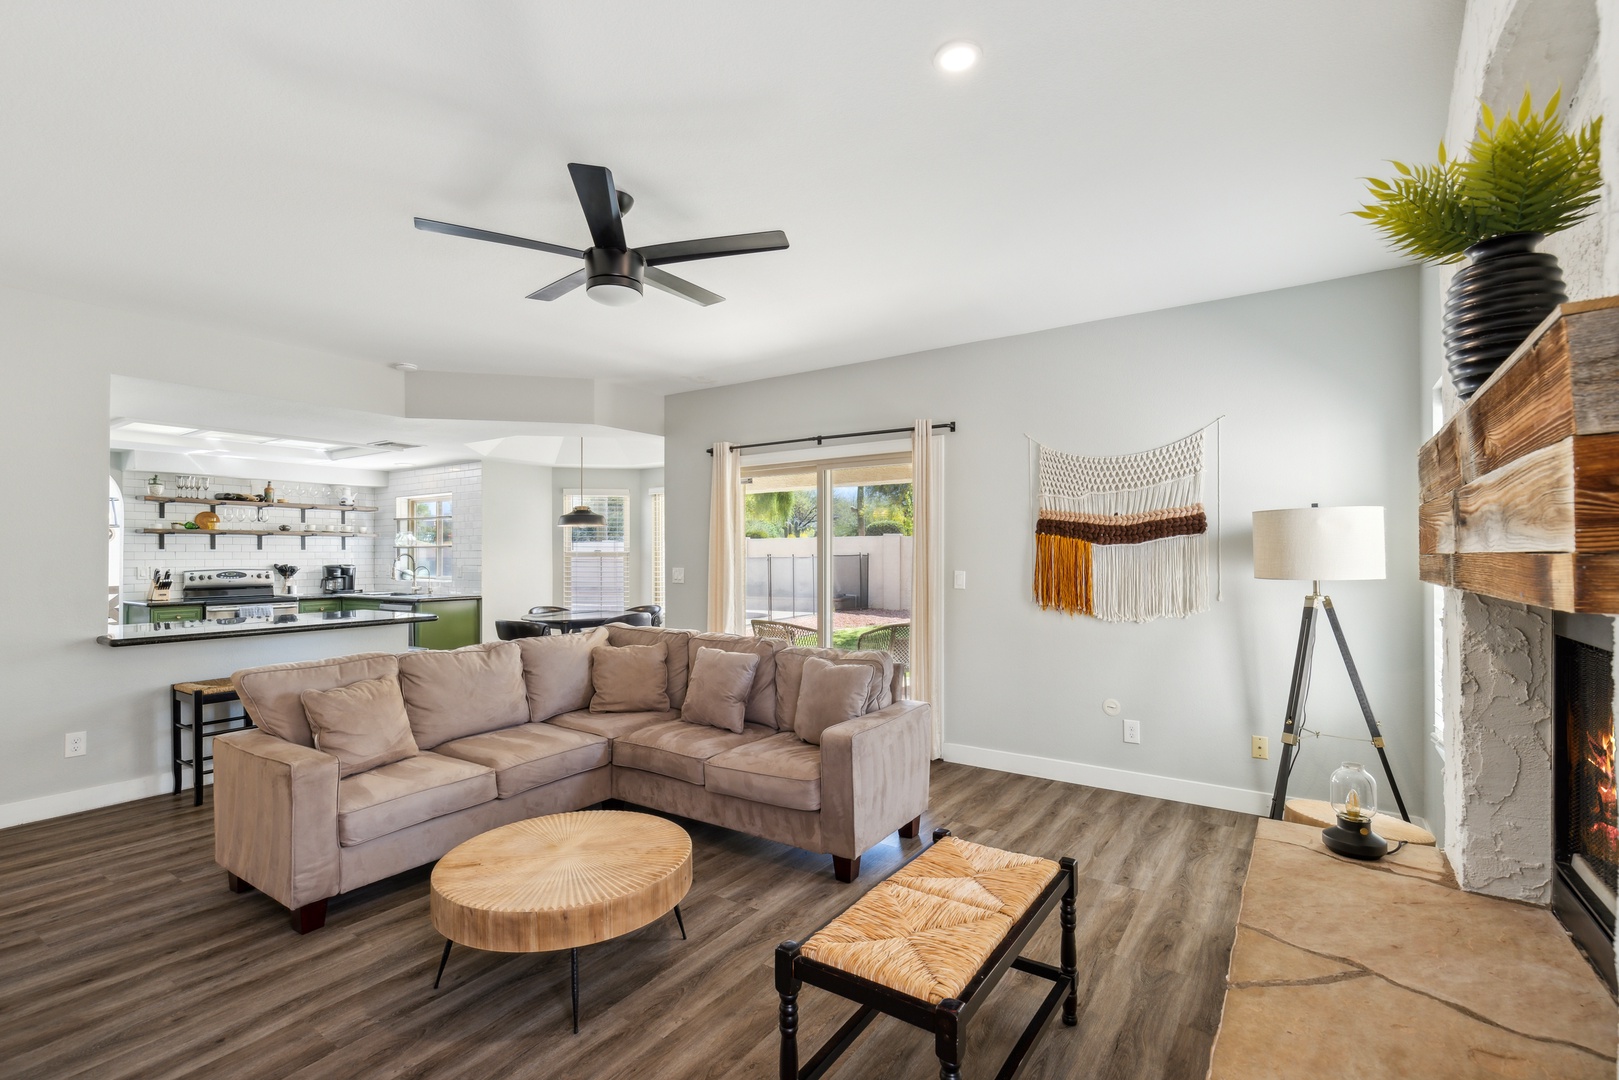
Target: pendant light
581	515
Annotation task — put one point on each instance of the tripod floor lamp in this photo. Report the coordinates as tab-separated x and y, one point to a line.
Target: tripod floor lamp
1316	544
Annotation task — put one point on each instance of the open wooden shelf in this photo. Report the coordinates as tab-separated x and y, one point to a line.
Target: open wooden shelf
212	534
1520	489
162	499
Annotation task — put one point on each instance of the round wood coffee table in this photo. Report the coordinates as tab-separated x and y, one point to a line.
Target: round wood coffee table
560	882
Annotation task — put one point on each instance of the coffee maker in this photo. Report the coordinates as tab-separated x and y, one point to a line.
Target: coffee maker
337	578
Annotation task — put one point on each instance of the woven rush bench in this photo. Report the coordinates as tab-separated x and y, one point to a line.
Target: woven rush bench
928	944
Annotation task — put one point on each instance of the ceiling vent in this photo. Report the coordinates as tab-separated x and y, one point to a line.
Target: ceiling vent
381	446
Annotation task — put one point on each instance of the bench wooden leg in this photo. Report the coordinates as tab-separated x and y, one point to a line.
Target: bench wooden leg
1070	956
846	870
909	830
787	987
309	917
236	884
947	1038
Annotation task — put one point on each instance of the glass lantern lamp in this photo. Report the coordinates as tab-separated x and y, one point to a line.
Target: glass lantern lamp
1354	800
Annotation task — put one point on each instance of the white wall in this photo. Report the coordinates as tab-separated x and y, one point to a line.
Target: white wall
1317	384
519	540
56	360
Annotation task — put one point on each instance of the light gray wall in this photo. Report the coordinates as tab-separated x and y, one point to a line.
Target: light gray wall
639	483
519	539
57	359
1318	385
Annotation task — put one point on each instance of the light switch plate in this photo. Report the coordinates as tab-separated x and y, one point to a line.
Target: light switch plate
677	575
961	579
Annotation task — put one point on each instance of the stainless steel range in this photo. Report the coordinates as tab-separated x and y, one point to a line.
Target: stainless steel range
226	594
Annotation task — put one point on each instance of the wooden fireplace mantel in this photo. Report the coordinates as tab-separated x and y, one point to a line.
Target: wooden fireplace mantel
1520	489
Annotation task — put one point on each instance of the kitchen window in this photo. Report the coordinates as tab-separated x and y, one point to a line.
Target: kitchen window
596	560
424	528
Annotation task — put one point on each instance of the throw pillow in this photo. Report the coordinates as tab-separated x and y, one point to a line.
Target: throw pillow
556	669
829	694
717	694
630	678
453	693
362	725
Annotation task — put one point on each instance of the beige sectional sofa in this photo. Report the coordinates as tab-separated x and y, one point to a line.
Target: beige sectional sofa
330	793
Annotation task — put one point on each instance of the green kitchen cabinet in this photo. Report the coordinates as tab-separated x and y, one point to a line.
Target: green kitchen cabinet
458	624
361	603
140	613
306	607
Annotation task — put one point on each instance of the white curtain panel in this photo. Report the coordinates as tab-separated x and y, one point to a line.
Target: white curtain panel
725	542
927	571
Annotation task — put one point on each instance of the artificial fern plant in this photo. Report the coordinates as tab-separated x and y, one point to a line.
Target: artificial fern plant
1523	174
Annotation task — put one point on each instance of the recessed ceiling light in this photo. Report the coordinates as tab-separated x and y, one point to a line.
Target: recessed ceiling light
231	436
402	366
956	56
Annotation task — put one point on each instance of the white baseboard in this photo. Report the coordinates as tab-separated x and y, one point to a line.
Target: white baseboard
71	802
1195	792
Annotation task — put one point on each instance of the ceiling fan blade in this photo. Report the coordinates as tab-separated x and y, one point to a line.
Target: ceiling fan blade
428	225
560	287
663	279
599	199
714	247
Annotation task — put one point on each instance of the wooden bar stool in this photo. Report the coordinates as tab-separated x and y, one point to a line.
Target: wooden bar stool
201	693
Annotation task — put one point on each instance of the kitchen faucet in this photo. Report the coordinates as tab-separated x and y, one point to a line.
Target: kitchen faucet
408	557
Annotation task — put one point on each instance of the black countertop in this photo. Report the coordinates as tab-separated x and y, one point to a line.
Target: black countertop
154	633
407	598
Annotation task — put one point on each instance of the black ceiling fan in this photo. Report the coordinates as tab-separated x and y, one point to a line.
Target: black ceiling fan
613	271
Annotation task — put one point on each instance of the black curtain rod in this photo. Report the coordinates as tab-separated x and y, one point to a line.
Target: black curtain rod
947	425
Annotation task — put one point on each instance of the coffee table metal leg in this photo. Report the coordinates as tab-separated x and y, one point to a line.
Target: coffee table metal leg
574	963
680	923
445	959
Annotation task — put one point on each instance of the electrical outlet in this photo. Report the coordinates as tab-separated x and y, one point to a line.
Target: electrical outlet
78	744
138	573
1132	731
1261	747
677	575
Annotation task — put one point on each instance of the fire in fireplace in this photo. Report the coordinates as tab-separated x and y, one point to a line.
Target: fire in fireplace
1586	825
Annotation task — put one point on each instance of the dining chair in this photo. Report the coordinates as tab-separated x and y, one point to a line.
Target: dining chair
655	610
509	629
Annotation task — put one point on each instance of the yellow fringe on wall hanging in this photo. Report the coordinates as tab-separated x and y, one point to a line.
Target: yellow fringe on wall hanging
1062	574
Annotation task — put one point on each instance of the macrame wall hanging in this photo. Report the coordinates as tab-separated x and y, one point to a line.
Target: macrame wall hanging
1123	539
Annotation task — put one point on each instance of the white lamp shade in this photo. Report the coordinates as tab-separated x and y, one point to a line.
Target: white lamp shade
1319	543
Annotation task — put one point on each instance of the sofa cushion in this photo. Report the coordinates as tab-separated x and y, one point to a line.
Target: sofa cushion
678	642
450	694
782	770
762	699
556	672
270	694
612	725
529	755
629	678
393	797
790	673
362	725
718	692
677	749
829	694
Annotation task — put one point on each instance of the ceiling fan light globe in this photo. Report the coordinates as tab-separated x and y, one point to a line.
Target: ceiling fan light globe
619	293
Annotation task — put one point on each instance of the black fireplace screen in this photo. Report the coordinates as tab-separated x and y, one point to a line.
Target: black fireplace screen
1588	832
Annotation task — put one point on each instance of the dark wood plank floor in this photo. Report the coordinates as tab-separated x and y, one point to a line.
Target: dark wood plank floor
122	954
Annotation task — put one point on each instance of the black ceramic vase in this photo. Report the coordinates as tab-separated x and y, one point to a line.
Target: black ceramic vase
1502	294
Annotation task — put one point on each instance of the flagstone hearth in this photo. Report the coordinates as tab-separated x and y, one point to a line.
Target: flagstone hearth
1352	969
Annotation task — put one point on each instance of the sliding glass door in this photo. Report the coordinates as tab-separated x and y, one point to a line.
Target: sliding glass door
853	515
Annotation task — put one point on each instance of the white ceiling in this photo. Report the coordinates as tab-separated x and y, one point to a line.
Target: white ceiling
258	165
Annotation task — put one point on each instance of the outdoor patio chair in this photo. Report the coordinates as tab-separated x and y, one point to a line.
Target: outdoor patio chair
783	631
893	639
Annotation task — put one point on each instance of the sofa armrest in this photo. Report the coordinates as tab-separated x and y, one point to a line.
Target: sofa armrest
275	816
874	775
